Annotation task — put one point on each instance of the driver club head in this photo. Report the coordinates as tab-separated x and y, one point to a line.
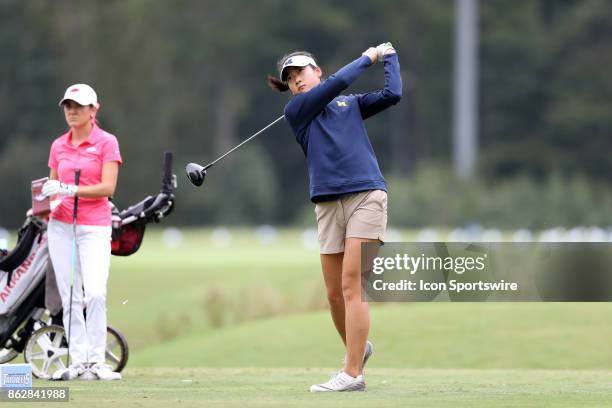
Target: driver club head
195	173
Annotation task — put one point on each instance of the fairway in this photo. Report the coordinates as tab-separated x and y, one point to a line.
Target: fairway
268	387
194	305
425	335
245	323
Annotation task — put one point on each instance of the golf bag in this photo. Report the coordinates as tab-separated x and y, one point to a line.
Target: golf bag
22	277
129	225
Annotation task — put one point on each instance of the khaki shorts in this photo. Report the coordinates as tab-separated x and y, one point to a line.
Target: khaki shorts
359	215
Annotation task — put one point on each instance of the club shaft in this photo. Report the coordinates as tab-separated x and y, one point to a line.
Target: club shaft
77	177
245	141
69	324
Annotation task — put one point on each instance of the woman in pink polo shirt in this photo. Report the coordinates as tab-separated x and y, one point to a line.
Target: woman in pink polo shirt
96	153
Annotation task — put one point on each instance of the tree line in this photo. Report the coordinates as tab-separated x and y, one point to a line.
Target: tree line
189	77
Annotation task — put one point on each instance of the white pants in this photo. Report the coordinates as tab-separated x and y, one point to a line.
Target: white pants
92	262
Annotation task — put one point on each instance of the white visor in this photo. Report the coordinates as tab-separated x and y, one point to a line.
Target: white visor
82	94
296	61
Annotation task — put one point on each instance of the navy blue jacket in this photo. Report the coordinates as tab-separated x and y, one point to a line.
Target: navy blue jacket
330	129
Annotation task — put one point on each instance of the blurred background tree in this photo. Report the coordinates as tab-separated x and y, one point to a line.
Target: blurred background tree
189	76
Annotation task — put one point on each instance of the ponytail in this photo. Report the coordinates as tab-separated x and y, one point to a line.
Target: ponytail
276	84
94	118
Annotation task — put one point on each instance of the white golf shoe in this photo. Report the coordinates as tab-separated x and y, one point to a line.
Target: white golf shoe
88	375
71	373
340	382
103	372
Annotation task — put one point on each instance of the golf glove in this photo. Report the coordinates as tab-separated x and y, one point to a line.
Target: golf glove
382	50
53	187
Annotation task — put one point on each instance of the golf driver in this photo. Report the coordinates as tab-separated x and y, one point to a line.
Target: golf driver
197	173
77	176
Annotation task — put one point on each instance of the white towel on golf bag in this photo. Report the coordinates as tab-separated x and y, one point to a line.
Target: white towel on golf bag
87	338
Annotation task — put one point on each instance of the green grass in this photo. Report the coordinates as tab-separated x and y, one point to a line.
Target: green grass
172	292
278	387
426	335
247	325
196	304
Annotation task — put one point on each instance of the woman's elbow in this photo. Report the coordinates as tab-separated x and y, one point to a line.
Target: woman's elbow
393	96
108	190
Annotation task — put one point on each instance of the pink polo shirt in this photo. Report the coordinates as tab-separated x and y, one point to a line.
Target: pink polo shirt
99	148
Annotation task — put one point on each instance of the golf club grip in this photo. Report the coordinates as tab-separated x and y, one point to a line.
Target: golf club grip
167	180
77	177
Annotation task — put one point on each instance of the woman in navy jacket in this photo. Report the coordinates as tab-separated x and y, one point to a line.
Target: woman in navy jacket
346	185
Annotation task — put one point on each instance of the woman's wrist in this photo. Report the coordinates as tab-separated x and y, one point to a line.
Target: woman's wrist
371	53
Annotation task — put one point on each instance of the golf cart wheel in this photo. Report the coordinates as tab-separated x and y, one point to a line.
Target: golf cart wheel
117	350
7	355
45	349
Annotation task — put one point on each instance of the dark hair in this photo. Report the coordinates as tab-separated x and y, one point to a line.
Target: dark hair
276	83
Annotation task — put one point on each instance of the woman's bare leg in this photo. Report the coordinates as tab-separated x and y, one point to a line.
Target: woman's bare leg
331	265
357	320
